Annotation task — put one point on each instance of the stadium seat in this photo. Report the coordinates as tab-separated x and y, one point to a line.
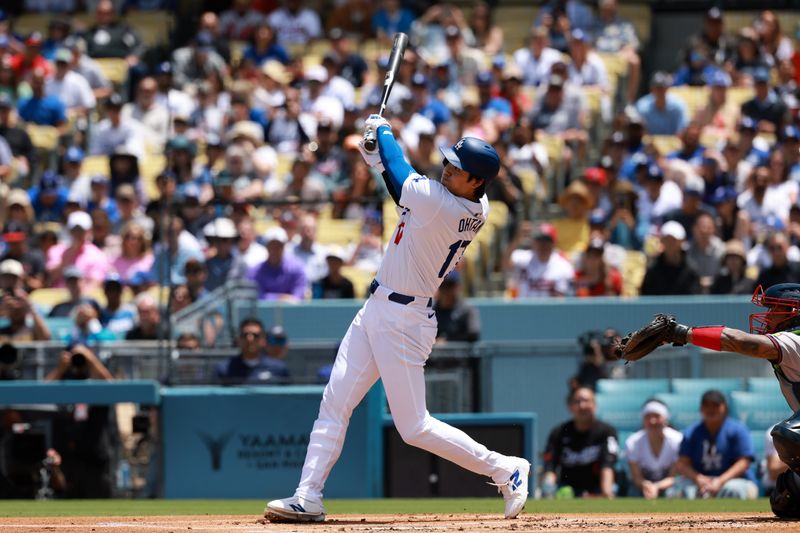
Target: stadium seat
342	232
360	279
95	165
633	271
516	21
697	386
48	297
150	166
59	327
759	410
665	144
768	385
640	15
684	410
43	137
113	68
641	388
153	26
695	98
28	23
622	412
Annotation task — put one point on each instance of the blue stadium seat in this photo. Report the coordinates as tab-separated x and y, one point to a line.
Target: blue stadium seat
642	388
762	385
623	436
684	409
697	386
759	410
622	412
759	442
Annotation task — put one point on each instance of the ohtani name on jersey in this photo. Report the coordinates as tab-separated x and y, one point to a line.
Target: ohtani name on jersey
470	224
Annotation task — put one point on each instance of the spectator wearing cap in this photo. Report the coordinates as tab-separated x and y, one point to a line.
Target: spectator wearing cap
766	107
170	261
196	278
352	65
713	176
558	114
24	323
70	87
79	252
76	288
586	68
99	198
116	317
178	102
12	276
720	115
715	455
148	319
697	69
626	226
663	114
295	24
76	181
657	196
240	22
653	451
594	277
19	209
506	187
724	202
136	254
115	132
760	200
87	67
573	228
465	61
389	19
19	142
285	131
270	92
670	273
329	158
15	237
317	98
30	59
336	85
49	197
613	34
780	269
732	277
194	63
40	108
426	102
511	90
149	112
225	264
706	250
691	150
281	276
691	204
494	108
536	59
58	29
456	319
334	284
110	37
534	268
102	236
129	210
305	248
251	251
713	38
254	364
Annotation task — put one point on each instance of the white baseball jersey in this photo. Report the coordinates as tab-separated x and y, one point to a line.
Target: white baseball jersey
788	369
434	230
535	278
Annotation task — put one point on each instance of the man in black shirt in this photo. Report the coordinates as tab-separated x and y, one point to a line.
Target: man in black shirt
457	320
17	138
782	270
581	453
766	108
334	285
671	273
16	239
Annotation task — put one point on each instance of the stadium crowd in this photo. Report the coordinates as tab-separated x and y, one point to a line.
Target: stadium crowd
232	154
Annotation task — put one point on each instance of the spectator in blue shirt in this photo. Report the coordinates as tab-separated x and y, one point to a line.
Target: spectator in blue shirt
39	108
261	357
116	317
390	19
427	105
691	151
49	198
495	108
698	69
663	114
715	455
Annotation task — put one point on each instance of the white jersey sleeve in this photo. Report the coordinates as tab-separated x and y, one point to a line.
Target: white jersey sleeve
423	196
788	368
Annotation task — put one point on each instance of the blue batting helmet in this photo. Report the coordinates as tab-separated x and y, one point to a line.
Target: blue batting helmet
474	156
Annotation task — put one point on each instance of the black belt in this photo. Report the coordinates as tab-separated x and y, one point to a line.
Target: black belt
396	297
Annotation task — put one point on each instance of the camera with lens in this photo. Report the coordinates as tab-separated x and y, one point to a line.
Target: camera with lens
604	339
9	355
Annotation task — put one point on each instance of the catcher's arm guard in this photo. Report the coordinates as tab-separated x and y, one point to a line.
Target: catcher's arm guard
662	329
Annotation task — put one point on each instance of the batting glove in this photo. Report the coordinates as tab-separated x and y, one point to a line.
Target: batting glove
374	122
372	159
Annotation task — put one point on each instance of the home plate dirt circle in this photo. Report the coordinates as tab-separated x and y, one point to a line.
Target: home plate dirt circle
653	523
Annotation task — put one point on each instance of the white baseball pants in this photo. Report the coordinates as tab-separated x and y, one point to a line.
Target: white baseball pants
390	341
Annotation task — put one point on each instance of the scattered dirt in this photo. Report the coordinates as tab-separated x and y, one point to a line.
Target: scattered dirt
655	523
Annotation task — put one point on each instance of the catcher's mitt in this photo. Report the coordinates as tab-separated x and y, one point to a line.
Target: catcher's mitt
661	330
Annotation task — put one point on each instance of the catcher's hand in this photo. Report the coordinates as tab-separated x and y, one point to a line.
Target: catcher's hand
662	329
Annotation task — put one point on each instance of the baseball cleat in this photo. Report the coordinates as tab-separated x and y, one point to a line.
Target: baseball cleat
295	509
515	490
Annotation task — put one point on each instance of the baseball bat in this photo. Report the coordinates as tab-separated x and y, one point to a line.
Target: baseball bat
398	49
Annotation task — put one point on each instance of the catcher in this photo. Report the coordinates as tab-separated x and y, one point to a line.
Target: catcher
774	336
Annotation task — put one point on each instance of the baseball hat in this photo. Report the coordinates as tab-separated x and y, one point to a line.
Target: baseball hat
74	155
747	123
484	78
140	278
336	33
12	267
791	132
512	72
661	79
115	100
99	179
316	73
276	233
112	278
79	219
18	197
165	67
451	32
555	81
75	198
204	40
617	138
275	70
723	194
5	101
183	143
654	173
474	155
579	35
276	336
673	229
761	75
546	232
720	78
713	396
736	248
694	187
63	55
336	252
72	272
596	175
50	182
598	217
14	232
418	80
596	245
34	39
452	279
125	191
221	228
714	13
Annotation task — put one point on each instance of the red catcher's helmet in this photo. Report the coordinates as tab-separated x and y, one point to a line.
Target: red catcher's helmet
783	296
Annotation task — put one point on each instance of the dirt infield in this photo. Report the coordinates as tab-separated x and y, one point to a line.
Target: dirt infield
445	523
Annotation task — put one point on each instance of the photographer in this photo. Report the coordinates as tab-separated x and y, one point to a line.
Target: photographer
80	431
24	323
598	362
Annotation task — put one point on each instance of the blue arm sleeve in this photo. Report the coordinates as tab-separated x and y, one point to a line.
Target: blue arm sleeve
396	168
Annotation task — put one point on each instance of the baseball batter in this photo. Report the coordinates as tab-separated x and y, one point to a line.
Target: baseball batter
393	333
774	336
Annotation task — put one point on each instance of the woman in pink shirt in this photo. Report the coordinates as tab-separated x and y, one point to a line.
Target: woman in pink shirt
136	254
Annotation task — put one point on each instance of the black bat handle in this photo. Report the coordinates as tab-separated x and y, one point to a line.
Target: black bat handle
370	141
